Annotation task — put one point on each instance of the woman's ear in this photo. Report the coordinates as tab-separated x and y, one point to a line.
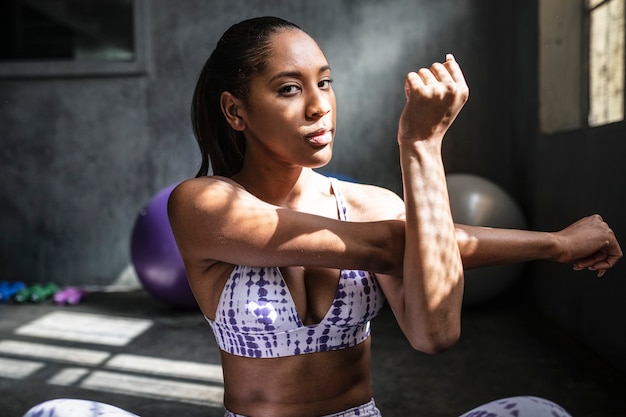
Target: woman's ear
232	108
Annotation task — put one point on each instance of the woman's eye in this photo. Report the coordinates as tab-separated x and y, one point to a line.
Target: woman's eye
325	84
289	89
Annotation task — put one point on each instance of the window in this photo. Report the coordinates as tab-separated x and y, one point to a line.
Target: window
606	61
581	63
71	37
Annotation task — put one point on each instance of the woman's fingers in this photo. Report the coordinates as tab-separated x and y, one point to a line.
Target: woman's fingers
413	81
454	69
427	76
441	73
434	98
602	260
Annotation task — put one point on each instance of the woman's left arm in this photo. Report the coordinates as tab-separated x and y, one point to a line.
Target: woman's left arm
588	243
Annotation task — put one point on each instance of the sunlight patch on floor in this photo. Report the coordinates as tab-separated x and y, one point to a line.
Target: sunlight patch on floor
98	369
85	328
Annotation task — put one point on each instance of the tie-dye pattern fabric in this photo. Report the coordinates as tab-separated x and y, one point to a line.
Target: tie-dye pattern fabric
65	407
257	317
527	406
366	410
523	406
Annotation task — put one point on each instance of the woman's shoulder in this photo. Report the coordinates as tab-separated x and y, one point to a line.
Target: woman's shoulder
201	187
368	202
207	194
206	182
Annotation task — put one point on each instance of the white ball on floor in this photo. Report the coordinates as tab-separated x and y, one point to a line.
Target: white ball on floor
479	202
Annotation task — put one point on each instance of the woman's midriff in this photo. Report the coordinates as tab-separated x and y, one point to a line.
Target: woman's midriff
313	384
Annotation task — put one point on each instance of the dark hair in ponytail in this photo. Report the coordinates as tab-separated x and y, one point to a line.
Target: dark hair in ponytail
240	53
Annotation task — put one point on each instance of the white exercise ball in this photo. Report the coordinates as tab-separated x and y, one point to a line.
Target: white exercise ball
476	201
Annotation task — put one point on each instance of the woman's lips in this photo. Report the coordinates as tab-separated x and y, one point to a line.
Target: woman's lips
320	138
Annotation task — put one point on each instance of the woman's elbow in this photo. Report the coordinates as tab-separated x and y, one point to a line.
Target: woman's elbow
436	342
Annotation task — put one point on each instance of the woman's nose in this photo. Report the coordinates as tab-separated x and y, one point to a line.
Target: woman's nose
319	105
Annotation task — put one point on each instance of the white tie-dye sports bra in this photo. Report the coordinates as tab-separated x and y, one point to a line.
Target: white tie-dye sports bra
256	316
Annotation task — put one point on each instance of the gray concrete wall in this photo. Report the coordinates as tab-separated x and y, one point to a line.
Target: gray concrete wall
81	155
577	174
569	175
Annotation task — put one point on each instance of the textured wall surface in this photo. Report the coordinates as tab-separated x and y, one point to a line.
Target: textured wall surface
578	174
81	155
569	175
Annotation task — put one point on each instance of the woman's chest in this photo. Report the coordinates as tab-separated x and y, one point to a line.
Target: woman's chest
313	291
280	299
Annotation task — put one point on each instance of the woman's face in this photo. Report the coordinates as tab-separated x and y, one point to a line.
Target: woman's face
290	116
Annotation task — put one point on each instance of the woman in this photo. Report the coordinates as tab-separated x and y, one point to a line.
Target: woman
269	255
289	266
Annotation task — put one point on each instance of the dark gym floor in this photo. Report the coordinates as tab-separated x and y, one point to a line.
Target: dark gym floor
128	349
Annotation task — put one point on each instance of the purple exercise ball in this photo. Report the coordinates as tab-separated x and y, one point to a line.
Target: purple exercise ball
155	255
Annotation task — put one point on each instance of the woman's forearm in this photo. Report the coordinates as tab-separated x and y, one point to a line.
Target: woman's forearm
429	308
485	246
588	243
432	268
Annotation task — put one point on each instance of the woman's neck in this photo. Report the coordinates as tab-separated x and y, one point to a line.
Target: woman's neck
283	188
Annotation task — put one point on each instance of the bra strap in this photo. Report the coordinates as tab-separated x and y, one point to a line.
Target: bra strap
341	204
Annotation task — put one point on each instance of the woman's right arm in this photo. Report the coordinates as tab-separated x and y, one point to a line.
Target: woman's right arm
214	219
